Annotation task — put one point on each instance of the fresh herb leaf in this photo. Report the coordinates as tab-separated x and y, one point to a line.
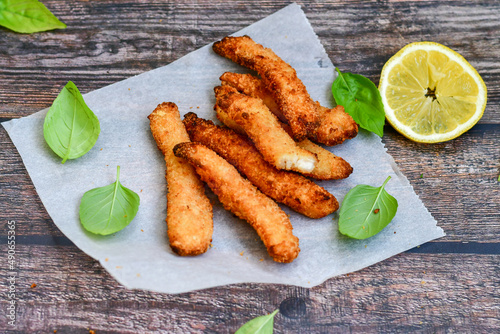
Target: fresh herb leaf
27	16
70	128
108	209
360	99
366	210
260	325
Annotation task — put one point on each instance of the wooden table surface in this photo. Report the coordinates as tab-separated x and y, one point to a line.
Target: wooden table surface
449	285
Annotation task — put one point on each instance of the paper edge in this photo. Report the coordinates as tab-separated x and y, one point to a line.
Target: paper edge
314	32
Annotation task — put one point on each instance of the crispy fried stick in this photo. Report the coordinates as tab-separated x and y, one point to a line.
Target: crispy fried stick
262	126
335	127
252	86
291	189
280	79
239	196
329	166
189	212
335	124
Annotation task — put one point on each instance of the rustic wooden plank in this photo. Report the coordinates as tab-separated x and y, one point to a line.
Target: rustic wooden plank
456	180
432	247
377	30
108	47
409	292
18	198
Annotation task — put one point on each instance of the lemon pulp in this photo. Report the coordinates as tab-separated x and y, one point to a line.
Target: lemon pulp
431	93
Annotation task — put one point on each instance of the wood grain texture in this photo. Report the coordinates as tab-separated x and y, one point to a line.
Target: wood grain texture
110	40
430	296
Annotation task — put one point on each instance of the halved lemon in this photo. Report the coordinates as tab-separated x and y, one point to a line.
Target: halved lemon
431	93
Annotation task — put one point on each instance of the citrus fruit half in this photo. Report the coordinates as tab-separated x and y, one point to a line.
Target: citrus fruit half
431	93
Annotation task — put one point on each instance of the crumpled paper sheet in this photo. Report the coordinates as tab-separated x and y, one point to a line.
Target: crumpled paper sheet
139	256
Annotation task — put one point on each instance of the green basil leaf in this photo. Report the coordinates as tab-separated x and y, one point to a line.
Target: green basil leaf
108	209
27	16
260	325
360	99
366	210
70	128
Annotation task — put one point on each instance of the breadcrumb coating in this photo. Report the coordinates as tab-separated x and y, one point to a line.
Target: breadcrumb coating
291	189
189	212
243	199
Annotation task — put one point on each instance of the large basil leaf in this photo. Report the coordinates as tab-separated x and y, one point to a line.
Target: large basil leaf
360	99
27	16
108	209
70	128
260	325
366	210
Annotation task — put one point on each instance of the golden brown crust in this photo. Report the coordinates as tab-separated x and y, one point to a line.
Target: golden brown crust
228	121
251	86
239	196
189	212
279	77
291	189
264	129
329	166
335	125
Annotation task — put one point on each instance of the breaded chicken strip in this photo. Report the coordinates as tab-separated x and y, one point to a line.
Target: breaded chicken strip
250	85
329	166
264	129
291	189
240	197
335	124
335	127
280	79
189	212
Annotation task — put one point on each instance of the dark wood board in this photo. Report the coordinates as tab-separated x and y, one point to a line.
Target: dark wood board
449	285
430	296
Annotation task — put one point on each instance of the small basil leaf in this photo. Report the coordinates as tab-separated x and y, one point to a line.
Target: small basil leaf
366	210
70	128
108	209
360	99
260	325
27	16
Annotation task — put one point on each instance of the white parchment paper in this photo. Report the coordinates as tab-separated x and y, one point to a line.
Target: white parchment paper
139	256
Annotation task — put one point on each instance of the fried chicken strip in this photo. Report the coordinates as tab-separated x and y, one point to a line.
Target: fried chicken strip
250	85
329	166
335	125
240	197
263	128
291	189
189	212
279	77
